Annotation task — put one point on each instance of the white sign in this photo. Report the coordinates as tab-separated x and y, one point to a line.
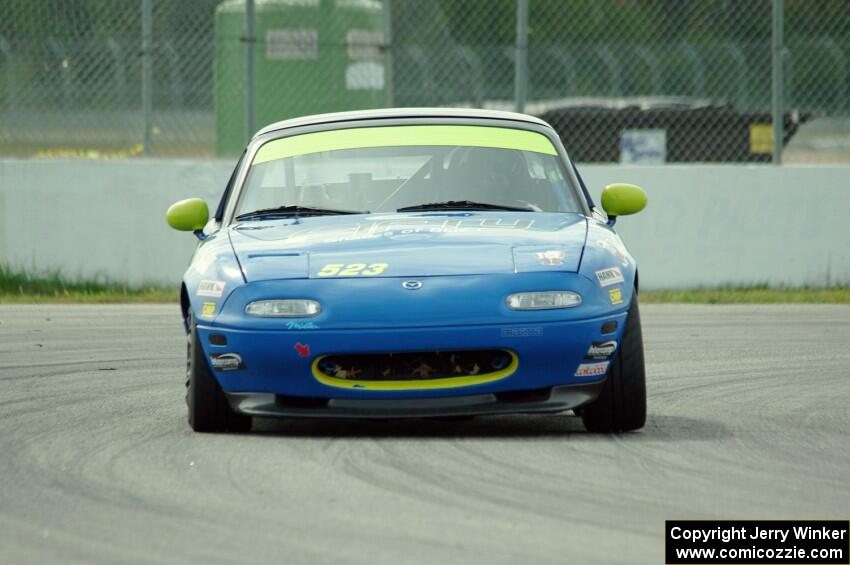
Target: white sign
643	146
289	44
364	44
364	75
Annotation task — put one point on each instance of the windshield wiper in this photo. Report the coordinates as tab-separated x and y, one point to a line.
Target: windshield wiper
463	205
296	211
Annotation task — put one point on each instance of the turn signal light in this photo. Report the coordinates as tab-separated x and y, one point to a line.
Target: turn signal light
290	308
548	300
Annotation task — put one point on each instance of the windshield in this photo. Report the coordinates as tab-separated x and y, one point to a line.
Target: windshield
383	169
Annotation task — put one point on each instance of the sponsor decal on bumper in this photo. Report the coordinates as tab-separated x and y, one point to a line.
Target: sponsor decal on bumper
592	369
226	361
601	350
616	296
208	309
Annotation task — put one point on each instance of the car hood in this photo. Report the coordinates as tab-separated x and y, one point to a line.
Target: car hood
409	245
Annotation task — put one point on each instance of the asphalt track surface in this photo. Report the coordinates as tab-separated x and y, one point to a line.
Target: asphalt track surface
749	418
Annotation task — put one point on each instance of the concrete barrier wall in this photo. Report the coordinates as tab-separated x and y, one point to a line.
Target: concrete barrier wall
705	225
105	219
709	225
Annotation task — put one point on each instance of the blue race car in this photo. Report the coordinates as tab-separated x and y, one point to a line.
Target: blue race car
411	263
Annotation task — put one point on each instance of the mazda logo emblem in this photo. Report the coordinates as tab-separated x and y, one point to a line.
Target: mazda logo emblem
412	285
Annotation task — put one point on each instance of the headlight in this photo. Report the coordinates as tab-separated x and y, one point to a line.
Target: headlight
548	300
294	308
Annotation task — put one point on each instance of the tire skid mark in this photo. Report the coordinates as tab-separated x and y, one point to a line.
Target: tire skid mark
106	464
494	495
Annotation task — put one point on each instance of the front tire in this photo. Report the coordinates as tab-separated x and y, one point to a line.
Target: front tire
208	407
621	407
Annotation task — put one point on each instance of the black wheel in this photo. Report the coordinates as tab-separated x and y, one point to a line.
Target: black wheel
621	406
208	408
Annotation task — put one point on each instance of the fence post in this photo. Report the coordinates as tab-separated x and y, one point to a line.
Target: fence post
388	56
778	81
147	73
521	59
11	75
249	41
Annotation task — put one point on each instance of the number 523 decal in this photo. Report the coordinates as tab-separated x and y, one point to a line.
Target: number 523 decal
352	269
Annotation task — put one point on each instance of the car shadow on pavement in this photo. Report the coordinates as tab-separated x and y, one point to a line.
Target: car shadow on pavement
521	426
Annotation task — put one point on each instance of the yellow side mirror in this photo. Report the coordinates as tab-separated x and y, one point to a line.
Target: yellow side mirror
622	199
191	214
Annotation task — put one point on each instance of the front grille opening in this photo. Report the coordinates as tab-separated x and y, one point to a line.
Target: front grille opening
413	366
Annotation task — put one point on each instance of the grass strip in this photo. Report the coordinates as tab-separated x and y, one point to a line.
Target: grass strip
748	295
22	287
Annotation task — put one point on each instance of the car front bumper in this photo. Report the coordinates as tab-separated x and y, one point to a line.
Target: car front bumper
279	364
555	399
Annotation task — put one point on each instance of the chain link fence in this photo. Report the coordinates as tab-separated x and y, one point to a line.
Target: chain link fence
621	80
71	77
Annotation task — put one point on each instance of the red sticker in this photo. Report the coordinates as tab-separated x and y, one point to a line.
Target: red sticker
303	350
